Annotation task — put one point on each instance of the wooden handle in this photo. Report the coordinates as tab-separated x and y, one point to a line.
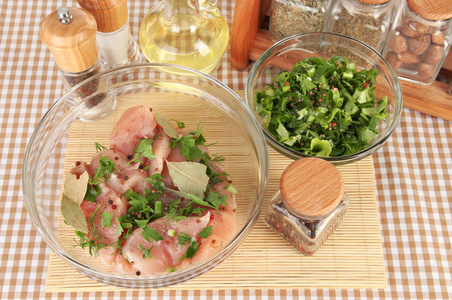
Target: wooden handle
110	15
432	9
312	186
245	25
73	44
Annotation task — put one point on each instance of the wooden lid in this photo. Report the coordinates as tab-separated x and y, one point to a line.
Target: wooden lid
110	15
432	10
373	2
73	44
311	187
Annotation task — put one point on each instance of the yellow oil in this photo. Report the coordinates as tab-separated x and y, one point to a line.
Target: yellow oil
194	42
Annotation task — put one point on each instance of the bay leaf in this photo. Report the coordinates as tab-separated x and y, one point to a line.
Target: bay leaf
169	129
75	189
73	214
189	177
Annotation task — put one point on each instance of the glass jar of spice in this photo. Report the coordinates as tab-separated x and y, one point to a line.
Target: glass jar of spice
420	40
291	17
309	205
366	20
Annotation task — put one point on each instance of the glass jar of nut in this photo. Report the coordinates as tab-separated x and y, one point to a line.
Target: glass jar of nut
420	39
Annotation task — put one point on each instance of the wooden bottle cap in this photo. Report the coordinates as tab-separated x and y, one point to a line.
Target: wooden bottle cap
432	10
110	15
374	2
311	187
73	44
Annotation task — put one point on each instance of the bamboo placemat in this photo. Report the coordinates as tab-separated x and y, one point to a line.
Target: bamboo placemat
351	258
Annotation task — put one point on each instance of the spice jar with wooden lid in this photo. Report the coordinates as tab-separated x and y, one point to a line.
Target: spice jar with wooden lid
70	34
309	205
368	21
114	39
420	39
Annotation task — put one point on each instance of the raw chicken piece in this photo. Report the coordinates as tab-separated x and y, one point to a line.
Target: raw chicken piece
223	225
136	123
223	230
120	160
130	179
110	257
165	253
110	202
161	150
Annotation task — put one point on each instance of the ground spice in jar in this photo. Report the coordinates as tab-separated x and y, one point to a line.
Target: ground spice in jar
365	20
291	17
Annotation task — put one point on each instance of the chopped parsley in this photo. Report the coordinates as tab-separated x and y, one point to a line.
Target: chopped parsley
104	171
188	144
99	147
185	239
92	191
107	217
144	149
146	252
205	232
322	108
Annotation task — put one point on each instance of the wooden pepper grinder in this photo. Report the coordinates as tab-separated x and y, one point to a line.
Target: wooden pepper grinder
114	39
70	34
310	204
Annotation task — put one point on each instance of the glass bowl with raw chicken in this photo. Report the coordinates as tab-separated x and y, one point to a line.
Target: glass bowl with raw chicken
150	179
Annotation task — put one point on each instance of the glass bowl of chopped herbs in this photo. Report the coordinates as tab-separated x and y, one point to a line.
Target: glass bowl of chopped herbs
324	95
154	177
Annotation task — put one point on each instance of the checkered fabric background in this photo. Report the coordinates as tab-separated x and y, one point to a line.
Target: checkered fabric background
413	173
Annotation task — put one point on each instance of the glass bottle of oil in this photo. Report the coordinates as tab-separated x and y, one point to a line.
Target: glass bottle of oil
191	33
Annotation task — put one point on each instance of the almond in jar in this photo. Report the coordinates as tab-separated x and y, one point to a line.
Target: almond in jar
420	37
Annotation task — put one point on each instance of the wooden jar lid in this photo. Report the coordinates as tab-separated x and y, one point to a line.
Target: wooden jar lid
373	2
110	15
432	10
311	187
73	44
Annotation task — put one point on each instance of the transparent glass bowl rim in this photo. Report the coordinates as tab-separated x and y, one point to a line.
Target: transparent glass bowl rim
171	278
272	51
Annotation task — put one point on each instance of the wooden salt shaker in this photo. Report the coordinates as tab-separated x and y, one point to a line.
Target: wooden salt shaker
114	39
70	34
309	205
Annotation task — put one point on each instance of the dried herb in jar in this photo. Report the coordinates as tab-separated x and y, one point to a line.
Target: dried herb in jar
366	22
291	17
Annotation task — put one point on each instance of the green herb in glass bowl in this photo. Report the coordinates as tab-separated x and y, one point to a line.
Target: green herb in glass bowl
323	108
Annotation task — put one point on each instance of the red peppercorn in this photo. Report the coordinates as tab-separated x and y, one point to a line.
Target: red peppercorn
364	85
286	83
